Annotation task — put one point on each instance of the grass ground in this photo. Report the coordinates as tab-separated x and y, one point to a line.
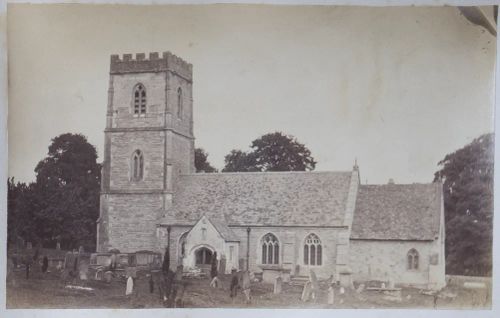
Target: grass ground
48	291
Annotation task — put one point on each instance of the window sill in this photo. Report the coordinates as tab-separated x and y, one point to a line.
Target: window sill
274	267
305	265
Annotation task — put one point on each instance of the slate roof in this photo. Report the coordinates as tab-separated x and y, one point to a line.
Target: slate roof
262	198
397	212
224	230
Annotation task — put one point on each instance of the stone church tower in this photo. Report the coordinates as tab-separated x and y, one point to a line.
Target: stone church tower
148	142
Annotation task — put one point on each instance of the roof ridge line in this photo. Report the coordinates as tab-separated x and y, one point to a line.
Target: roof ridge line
263	172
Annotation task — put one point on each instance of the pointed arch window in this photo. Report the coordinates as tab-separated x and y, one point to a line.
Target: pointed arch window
139	99
270	249
137	165
313	251
412	259
180	110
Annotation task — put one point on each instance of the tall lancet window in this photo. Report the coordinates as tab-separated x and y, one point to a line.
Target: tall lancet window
137	165
139	99
179	103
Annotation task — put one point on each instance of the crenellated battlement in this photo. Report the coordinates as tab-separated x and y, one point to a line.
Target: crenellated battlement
154	63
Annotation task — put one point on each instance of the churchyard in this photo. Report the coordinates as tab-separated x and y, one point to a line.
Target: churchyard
53	289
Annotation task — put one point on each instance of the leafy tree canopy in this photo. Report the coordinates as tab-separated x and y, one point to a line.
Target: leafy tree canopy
467	176
63	204
201	161
271	152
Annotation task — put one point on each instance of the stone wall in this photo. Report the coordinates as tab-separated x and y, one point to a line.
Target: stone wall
123	145
132	221
387	260
291	247
130	209
123	100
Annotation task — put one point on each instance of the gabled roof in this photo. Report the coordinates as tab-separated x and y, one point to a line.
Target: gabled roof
220	226
397	212
261	198
226	233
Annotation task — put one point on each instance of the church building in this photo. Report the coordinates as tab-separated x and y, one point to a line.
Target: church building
274	223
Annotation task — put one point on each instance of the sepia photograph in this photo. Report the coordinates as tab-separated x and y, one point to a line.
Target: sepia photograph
250	156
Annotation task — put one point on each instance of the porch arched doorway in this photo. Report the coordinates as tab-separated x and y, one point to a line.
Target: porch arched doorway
203	257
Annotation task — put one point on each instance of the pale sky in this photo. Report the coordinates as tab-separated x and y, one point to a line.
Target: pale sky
396	88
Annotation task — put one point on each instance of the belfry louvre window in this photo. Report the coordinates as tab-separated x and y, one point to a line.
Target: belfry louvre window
137	165
139	99
412	257
313	252
270	250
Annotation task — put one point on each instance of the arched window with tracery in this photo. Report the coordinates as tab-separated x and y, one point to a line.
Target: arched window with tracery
270	249
313	251
139	99
137	165
179	103
412	259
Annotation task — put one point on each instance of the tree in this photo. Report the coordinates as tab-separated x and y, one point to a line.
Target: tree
200	161
238	160
272	152
467	176
21	203
68	185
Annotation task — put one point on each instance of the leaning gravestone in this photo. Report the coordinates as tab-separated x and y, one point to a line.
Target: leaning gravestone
306	292
278	285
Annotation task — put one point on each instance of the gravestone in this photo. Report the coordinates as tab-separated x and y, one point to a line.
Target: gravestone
58	246
108	276
83	270
278	285
130	286
80	250
222	265
215	283
331	295
178	273
306	292
112	264
314	284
